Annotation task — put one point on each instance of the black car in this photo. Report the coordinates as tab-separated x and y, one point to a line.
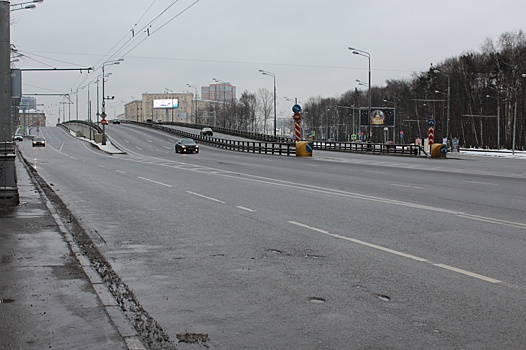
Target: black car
116	121
186	146
39	141
206	132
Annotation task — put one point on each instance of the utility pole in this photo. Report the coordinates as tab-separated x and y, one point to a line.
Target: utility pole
8	185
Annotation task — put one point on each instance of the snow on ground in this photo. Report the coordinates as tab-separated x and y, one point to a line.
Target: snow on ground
493	153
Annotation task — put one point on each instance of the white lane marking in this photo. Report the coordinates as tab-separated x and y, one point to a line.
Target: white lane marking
395	252
468	273
140	149
101	166
206	197
492	220
407	186
482	183
244	208
149	140
167	147
155	182
120	171
61	145
324	190
126	141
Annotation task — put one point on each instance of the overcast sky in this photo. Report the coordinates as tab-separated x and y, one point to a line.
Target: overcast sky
303	42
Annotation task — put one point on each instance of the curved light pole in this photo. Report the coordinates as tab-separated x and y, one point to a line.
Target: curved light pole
29	5
196	106
273	76
368	55
103	113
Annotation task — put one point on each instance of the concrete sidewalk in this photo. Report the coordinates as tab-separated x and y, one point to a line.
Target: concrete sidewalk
48	298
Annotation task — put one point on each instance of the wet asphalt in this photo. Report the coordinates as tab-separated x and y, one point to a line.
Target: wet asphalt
50	295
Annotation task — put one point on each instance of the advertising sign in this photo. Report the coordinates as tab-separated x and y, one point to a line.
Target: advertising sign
167	103
379	117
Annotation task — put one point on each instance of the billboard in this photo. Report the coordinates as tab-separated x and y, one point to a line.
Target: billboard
166	103
379	116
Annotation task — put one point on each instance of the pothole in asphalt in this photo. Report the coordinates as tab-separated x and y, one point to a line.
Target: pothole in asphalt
312	256
317	300
6	301
383	297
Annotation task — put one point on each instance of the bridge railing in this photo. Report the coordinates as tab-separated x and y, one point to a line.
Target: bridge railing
283	145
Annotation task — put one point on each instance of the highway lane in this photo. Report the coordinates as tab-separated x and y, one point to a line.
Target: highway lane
337	251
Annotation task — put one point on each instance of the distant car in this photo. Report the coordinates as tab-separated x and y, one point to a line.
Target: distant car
19	138
186	146
39	141
116	121
206	132
159	121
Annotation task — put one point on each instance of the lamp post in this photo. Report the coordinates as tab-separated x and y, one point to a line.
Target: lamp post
273	76
368	55
103	113
448	104
196	105
28	5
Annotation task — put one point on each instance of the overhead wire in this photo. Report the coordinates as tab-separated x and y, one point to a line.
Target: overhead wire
109	55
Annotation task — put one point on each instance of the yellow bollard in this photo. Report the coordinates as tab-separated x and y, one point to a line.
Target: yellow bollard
438	150
304	149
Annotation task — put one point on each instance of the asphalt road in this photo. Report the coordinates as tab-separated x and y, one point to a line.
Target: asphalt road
337	251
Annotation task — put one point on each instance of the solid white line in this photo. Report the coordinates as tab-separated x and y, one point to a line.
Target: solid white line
247	209
155	182
399	185
468	273
203	196
493	221
395	252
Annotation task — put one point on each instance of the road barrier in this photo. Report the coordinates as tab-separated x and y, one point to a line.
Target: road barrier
281	145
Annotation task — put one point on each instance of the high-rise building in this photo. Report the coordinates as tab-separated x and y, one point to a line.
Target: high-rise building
223	92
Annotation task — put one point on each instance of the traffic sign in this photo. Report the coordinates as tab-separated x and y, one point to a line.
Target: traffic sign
104	122
296	108
353	137
431	137
431	122
297	116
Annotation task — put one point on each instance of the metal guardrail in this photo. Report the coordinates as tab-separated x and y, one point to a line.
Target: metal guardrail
364	147
283	145
277	148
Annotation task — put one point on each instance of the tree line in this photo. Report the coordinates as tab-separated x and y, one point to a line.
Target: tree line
486	102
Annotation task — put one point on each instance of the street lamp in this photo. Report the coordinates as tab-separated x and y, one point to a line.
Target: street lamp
196	105
103	114
27	5
448	103
368	55
273	76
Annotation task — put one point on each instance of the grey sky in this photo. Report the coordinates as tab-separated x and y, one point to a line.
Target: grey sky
303	42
